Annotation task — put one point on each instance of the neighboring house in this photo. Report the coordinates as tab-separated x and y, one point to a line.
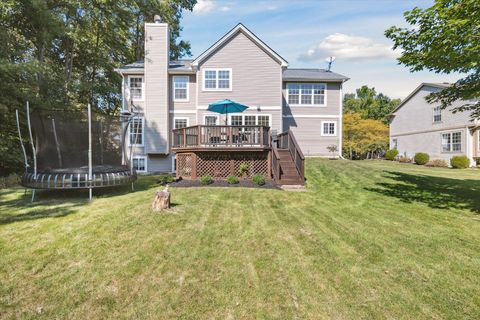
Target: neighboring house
418	126
175	94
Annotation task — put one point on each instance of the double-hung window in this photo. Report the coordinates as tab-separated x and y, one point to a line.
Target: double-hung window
437	114
452	142
135	86
211	120
136	132
329	128
308	94
250	120
139	163
180	88
217	79
179	123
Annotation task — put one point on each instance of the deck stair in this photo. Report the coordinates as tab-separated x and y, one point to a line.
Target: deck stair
287	160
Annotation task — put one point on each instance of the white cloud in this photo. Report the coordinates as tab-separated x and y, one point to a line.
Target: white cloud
348	47
207	6
204	6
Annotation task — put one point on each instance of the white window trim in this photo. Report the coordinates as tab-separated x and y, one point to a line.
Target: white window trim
143	133
143	87
141	157
250	114
174	157
323	134
300	96
451	142
188	89
433	115
216	79
180	118
210	115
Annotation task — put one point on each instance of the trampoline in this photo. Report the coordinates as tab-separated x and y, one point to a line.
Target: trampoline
77	149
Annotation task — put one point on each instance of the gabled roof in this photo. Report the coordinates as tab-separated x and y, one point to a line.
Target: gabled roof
414	92
312	75
240	28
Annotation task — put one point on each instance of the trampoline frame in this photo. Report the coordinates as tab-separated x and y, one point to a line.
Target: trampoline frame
76	180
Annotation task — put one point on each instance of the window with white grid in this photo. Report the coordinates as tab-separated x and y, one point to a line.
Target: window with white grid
217	79
452	142
308	94
329	128
135	85
180	88
136	132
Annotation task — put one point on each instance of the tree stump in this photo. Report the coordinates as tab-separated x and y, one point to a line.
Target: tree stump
161	200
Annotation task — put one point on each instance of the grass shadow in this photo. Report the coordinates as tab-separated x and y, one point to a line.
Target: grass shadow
436	192
57	203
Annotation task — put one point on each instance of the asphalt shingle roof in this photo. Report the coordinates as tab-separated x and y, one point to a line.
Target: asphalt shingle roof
312	75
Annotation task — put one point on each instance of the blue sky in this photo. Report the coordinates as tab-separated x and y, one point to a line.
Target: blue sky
306	32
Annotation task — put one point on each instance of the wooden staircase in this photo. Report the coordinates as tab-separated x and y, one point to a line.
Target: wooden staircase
287	160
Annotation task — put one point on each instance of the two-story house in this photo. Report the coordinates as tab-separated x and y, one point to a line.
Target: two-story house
418	126
173	96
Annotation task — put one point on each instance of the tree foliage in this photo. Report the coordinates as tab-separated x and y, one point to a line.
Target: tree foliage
444	38
363	138
63	54
369	104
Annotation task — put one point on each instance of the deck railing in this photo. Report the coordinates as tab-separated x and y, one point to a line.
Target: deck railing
286	140
221	136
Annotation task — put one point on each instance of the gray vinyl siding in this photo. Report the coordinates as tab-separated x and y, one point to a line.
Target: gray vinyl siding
413	127
256	76
308	133
333	105
429	142
417	115
191	104
159	163
156	89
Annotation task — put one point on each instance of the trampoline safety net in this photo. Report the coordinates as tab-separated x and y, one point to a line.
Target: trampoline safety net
61	141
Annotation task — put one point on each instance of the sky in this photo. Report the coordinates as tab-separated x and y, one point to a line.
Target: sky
307	32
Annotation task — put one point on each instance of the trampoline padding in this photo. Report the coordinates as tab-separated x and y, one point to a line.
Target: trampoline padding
77	178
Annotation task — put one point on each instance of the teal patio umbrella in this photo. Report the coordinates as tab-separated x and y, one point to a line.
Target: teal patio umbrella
225	107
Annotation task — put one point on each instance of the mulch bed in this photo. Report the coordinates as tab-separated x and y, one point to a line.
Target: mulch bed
269	184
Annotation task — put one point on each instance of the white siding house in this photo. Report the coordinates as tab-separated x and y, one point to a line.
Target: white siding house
418	126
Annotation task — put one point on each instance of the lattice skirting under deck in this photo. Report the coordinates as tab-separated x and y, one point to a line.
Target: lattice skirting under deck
191	165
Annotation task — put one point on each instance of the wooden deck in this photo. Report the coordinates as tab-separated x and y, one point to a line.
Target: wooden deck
221	138
219	151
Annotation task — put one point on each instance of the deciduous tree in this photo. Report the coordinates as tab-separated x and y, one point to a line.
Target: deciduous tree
444	38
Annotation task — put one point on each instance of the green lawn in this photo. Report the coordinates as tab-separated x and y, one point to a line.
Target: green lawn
369	239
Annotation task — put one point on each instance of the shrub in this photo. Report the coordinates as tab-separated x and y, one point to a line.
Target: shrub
11	180
437	163
391	154
166	179
460	162
258	179
421	158
405	159
243	169
205	180
233	180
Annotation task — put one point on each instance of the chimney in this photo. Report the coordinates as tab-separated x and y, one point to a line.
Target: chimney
157	57
157	19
